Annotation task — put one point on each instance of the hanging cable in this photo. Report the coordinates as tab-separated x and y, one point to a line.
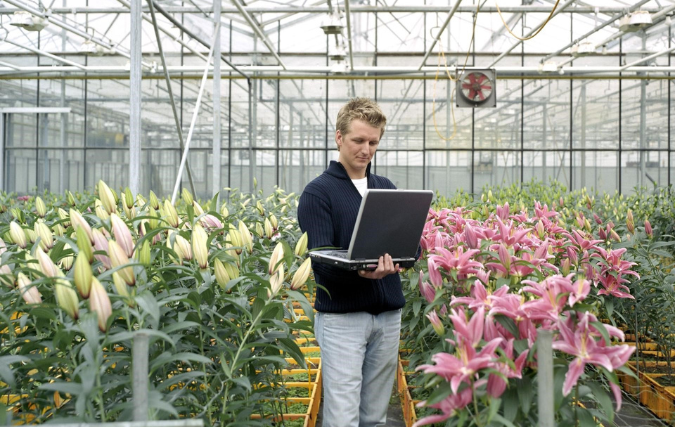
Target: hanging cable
451	79
536	32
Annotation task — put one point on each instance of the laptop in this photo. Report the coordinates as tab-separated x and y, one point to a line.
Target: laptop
389	221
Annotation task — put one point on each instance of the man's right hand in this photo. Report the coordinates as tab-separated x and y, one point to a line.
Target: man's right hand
385	267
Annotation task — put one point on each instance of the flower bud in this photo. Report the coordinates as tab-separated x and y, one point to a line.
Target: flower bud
268	230
17	214
614	235
119	258
197	208
154	201
66	298
83	275
436	323
47	266
107	197
66	262
224	212
221	273
301	246
597	219
77	220
259	207
274	222
470	236
122	235
32	235
232	270
210	222
171	214
648	229
630	224
99	302
70	198
199	246
235	239
59	230
128	199
122	289
186	196
143	253
259	230
275	258
63	215
246	240
301	274
45	235
84	245
17	235
182	248
29	293
40	207
100	210
101	245
566	266
277	280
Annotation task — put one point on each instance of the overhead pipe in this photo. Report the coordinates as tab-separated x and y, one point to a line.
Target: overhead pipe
655	19
593	31
355	9
71	29
175	22
311	72
646	58
166	31
532	31
258	31
47	54
440	32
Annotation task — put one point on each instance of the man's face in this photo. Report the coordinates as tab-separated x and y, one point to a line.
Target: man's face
357	147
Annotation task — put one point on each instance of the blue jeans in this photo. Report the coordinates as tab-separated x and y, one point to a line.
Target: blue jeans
359	353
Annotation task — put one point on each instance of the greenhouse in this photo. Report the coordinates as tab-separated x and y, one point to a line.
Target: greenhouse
198	222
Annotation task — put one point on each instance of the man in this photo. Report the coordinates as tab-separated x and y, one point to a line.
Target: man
359	318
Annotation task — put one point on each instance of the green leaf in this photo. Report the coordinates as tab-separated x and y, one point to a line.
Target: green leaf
440	393
6	372
167	357
511	404
417	305
293	350
185	377
179	326
504	421
304	303
525	394
43	313
63	387
243	381
586	418
509	324
603	331
603	399
149	304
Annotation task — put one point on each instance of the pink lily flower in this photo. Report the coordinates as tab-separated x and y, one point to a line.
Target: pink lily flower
427	291
543	212
580	290
580	343
503	211
497	384
449	406
512	306
434	273
552	293
508	234
583	240
613	286
480	297
470	237
458	261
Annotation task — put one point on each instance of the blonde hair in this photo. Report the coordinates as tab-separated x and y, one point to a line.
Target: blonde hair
360	109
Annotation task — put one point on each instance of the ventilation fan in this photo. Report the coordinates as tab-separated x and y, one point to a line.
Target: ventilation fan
476	89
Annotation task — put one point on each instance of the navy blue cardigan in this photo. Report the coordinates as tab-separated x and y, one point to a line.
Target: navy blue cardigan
327	212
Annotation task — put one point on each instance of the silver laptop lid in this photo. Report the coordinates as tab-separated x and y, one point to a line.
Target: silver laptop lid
389	221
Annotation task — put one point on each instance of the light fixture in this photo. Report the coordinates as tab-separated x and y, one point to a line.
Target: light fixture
635	21
548	67
583	49
604	49
338	52
28	21
340	67
332	24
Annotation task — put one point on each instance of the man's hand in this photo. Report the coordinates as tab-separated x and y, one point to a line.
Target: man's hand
385	267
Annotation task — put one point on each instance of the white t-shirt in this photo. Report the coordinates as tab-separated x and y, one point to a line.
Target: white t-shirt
361	185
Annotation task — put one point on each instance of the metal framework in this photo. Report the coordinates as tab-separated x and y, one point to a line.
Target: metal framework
277	76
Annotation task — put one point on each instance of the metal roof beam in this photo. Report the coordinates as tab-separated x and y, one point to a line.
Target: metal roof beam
256	28
440	33
532	31
326	9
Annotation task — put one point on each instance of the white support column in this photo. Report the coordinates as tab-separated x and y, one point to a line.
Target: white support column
135	99
2	151
217	137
